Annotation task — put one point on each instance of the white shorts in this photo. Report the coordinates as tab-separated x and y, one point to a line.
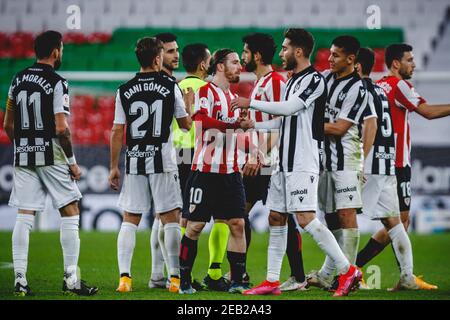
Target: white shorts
380	198
339	190
291	192
138	191
32	184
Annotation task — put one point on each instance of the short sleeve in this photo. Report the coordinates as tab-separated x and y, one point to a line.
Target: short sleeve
119	113
180	107
369	111
406	96
203	101
61	101
354	104
311	88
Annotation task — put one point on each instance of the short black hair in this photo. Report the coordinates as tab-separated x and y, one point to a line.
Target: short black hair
262	43
349	44
46	42
219	56
300	38
193	54
166	37
147	49
395	52
366	57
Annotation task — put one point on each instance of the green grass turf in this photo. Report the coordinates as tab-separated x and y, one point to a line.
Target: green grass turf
98	264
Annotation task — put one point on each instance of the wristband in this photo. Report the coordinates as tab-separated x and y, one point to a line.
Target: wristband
71	160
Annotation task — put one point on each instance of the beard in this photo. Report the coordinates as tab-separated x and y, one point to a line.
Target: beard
170	66
404	74
231	77
251	65
291	63
57	64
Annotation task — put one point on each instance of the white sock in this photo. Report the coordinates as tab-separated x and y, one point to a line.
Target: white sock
402	248
162	245
350	243
157	257
325	240
126	242
275	252
172	241
70	242
20	242
328	269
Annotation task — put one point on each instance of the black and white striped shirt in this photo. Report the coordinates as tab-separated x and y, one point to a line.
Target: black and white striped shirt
147	104
38	93
381	158
347	100
302	132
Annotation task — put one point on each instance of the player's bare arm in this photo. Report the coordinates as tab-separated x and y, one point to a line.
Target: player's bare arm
189	100
339	128
434	111
240	103
116	142
369	133
65	140
8	123
185	122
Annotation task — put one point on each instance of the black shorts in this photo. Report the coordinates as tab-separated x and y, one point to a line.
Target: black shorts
256	188
221	196
404	187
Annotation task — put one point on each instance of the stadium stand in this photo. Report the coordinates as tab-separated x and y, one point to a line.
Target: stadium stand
110	28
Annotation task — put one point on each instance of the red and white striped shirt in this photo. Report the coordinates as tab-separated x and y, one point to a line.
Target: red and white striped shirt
270	87
403	99
216	148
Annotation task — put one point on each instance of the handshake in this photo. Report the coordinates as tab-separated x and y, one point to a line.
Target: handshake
243	104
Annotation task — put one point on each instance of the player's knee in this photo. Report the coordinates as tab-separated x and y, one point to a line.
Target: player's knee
236	226
70	210
277	219
131	218
193	230
170	217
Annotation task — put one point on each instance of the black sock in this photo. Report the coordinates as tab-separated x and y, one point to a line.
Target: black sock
248	235
294	250
237	265
125	275
371	249
248	231
188	252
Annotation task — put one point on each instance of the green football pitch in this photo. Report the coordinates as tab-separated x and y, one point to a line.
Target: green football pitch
98	265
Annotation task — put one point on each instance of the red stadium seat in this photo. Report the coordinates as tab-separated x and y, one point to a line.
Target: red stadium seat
379	65
321	62
99	37
74	37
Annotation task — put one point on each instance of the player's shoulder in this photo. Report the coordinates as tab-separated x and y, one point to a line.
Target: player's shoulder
326	73
276	76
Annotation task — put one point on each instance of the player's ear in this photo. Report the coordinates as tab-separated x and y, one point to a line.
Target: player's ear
257	57
395	64
298	52
351	58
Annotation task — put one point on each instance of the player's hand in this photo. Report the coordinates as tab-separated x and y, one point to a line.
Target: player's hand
75	172
251	169
189	99
247	124
114	178
240	103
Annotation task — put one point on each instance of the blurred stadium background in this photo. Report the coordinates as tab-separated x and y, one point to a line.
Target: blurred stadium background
99	56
